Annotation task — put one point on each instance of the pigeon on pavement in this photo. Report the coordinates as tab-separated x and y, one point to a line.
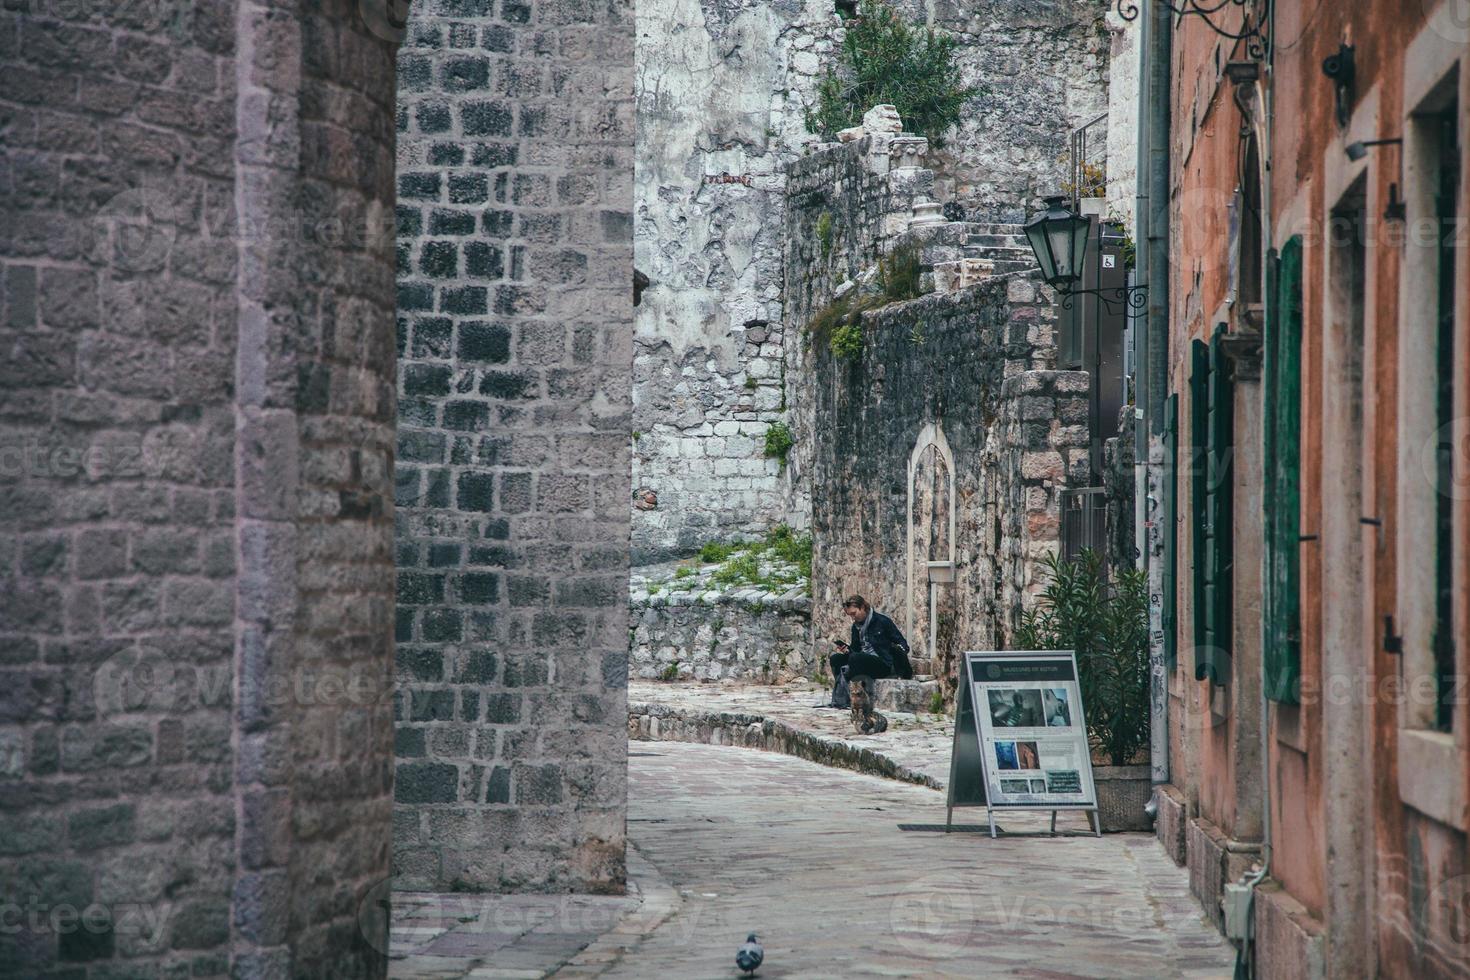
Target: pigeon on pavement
749	956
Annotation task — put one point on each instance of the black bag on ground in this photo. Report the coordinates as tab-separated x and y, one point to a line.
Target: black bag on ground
841	692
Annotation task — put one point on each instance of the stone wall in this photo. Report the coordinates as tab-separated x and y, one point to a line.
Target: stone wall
1037	447
720	90
515	332
957	388
763	638
722	93
846	203
195	512
1043	65
1123	118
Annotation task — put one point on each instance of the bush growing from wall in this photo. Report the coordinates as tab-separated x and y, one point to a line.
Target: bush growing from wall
779	442
885	60
900	274
847	338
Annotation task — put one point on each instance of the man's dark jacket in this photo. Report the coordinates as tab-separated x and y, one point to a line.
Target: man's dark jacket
888	644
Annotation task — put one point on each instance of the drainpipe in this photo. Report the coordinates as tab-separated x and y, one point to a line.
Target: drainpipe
1266	89
1140	318
1156	46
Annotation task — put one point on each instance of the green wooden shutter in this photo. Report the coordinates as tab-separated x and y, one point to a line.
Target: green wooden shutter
1204	401
1217	534
1199	379
1283	382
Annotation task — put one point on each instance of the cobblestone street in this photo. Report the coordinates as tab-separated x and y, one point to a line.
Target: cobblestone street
730	841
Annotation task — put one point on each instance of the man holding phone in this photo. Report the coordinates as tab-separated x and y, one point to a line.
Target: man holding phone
875	648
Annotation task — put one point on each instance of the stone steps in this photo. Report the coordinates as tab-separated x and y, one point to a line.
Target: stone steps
998	241
995	228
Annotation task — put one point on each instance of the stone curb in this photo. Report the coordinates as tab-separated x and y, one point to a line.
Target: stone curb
660	723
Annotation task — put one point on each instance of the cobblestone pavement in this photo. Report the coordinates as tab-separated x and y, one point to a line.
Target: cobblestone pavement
920	742
729	841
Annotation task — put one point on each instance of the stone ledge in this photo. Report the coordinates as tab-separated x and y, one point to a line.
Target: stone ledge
1215	859
1170	822
778	601
892	694
1289	939
656	722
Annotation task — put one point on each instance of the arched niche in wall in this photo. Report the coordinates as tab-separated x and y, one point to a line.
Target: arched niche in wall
930	515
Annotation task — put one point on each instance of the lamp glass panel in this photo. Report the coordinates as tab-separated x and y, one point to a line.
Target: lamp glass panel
1081	236
1061	244
1041	245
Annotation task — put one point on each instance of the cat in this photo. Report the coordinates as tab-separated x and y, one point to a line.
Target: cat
865	720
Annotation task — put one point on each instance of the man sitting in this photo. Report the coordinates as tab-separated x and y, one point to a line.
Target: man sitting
876	650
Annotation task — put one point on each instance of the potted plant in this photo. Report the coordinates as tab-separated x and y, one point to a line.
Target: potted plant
1106	623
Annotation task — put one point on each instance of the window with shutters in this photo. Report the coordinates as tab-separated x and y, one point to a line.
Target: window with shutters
1282	490
1212	408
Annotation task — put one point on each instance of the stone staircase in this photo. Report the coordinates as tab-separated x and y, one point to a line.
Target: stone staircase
963	253
1004	246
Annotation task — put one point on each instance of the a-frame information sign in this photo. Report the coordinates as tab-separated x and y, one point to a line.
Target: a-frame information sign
1020	736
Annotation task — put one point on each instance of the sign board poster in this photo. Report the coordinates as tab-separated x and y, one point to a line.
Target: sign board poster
1026	728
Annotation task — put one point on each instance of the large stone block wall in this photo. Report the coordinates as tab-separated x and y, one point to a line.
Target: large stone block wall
515	344
1038	447
973	365
196	572
845	204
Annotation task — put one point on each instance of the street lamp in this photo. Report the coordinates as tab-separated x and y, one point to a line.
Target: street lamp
1059	238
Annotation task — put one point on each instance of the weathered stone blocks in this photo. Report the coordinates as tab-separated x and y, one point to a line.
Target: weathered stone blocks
515	342
195	552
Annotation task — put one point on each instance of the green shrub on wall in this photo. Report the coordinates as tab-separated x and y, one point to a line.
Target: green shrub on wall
847	339
779	441
824	233
885	60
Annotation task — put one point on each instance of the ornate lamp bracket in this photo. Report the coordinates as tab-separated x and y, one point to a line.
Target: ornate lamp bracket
1131	298
1206	10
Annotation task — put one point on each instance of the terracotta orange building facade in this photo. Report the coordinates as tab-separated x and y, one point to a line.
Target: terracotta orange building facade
1316	520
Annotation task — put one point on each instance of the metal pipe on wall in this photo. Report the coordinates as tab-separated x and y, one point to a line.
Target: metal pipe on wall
1156	50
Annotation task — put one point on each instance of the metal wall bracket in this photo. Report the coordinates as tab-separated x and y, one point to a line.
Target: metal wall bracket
1392	642
1342	69
1205	10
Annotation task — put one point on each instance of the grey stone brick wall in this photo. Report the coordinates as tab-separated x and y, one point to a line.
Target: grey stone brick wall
864	200
976	364
196	417
514	215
